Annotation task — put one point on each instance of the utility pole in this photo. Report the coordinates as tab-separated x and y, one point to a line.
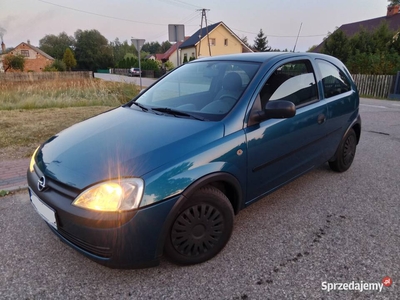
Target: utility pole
204	16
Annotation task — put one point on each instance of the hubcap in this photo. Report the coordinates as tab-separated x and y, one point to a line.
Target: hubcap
197	230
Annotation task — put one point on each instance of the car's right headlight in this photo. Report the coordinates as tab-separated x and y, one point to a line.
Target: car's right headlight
111	196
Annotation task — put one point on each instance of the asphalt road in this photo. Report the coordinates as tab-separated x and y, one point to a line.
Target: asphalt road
322	228
146	82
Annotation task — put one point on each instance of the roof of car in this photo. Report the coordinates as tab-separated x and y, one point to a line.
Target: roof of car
262	56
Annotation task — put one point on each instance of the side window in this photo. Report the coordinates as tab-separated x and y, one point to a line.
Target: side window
294	81
334	81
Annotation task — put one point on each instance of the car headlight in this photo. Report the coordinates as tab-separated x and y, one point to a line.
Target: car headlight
115	195
32	163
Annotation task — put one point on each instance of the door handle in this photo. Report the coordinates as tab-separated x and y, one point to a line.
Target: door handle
321	118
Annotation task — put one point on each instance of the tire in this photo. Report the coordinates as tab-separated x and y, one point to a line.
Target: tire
345	153
201	228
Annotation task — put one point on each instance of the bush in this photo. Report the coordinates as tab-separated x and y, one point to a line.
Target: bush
56	66
149	64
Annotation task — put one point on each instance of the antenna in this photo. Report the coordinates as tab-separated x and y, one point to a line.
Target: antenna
295	44
203	16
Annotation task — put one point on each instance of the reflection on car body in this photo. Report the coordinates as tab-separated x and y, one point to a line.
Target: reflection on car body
167	172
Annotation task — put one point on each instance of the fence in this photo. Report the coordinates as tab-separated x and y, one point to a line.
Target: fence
36	76
145	73
377	86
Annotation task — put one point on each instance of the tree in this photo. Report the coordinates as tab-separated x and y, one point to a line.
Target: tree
366	52
337	44
165	46
69	59
261	42
14	62
55	45
92	50
245	41
311	49
393	2
152	47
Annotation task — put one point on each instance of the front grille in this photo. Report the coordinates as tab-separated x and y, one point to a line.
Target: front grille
96	250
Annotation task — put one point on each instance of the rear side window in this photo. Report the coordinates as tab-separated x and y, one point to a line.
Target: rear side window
334	81
294	81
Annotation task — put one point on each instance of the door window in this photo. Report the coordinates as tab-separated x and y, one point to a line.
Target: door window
334	81
294	81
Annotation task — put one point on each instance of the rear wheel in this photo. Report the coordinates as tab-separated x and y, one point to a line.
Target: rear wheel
345	153
201	228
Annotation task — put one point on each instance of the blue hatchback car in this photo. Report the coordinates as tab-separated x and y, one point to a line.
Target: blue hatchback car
167	172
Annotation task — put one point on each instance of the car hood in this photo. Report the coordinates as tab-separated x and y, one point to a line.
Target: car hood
123	142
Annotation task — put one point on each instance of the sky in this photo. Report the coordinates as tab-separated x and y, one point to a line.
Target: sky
280	20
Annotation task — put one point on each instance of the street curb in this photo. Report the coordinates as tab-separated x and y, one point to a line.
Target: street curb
16	188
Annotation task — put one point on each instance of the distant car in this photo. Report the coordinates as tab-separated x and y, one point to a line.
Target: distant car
167	172
134	72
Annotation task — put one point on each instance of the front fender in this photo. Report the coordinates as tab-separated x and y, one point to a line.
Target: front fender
185	179
226	155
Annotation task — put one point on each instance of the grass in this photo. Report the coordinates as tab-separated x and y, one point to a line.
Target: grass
64	93
30	113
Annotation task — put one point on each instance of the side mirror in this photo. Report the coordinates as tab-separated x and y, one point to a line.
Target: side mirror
276	109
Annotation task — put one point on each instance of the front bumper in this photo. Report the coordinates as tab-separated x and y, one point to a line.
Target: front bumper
118	240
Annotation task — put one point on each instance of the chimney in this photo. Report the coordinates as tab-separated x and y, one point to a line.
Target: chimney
392	10
29	42
3	47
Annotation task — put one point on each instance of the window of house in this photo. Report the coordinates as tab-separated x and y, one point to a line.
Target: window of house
226	42
212	42
335	82
294	81
25	53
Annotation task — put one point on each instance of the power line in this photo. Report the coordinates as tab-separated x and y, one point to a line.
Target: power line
180	3
183	21
158	24
100	15
282	36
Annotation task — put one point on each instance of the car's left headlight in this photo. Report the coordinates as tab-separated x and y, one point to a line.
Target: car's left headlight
111	196
32	163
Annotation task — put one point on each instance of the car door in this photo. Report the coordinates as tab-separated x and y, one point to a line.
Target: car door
279	150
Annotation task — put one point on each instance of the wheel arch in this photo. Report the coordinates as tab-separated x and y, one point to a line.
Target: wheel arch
357	129
225	182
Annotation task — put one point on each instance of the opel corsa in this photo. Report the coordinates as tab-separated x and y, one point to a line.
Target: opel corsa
167	172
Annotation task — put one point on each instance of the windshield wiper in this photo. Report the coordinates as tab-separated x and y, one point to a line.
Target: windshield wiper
144	108
176	113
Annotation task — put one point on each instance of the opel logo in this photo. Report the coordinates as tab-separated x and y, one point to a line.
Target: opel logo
41	185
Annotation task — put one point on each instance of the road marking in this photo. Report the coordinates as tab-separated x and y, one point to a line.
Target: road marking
376	106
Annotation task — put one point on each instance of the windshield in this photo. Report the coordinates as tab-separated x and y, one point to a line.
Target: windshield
204	89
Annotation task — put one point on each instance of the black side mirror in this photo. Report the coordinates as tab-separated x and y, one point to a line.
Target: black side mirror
277	109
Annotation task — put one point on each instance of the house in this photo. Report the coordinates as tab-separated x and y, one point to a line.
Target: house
171	54
213	40
392	19
150	57
35	59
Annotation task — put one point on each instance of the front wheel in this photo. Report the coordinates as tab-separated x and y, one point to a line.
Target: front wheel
201	228
345	153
